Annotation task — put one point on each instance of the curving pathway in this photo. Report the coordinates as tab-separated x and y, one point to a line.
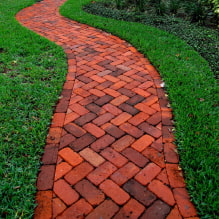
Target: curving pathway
109	152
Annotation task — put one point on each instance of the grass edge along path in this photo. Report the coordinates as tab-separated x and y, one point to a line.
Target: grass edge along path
32	72
192	91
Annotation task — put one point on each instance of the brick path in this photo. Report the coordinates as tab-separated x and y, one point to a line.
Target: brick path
109	151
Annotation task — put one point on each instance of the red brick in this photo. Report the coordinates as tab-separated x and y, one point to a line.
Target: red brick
114	157
167	133
94	130
78	173
70	156
155	118
186	208
58	207
103	119
138	119
123	117
101	173
125	78
167	118
127	92
142	143
118	85
114	191
170	153
70	117
113	130
74	129
135	157
44	205
175	175
112	109
132	210
157	210
144	108
131	130
64	191
174	214
77	108
104	85
146	85
103	100
162	191
158	144
87	190
106	209
61	170
82	142
66	140
88	100
147	174
97	92
45	177
119	100
92	157
123	143
78	210
150	100
54	135
102	143
85	119
68	85
111	78
151	130
58	120
139	192
111	92
75	98
154	156
141	92
125	173
163	177
50	154
62	106
90	85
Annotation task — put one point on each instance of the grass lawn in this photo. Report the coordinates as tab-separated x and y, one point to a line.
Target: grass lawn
32	72
193	93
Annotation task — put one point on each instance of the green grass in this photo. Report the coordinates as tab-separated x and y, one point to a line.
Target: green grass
32	72
193	93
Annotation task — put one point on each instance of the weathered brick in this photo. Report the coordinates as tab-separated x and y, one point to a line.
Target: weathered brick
103	100
81	92
170	153
113	130
74	129
66	140
54	136
78	173
61	169
103	119
123	143
174	214
126	92
50	154
112	109
101	173
88	100
64	191
119	100
92	157
57	207
114	191
141	92
147	174
129	109
125	173
77	108
144	108
85	119
92	194
120	119
142	143
139	192
151	130
102	143
155	118
94	130
58	120
94	108
135	157
131	130
135	99
138	119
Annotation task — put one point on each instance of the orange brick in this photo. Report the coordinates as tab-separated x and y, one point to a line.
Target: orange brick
98	79
142	143
81	92
119	100
123	143
138	119
62	169
147	174
58	120
77	108
97	92
141	92
111	78
92	157
114	191
70	117
78	173
123	117
144	108
54	136
162	191
58	207
94	130
111	92
70	156
146	85
174	214
131	130
64	191
112	109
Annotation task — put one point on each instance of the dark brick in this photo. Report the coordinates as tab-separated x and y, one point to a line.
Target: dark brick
151	130
131	130
88	100
103	119
158	210
85	119
66	94
117	72
62	106
154	119
50	154
105	62
102	143
135	99
103	100
139	192
82	142
84	79
126	92
110	67
94	108
135	157
129	109
74	129
104	85
114	131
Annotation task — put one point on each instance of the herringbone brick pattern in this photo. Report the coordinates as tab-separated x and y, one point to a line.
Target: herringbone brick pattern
109	151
